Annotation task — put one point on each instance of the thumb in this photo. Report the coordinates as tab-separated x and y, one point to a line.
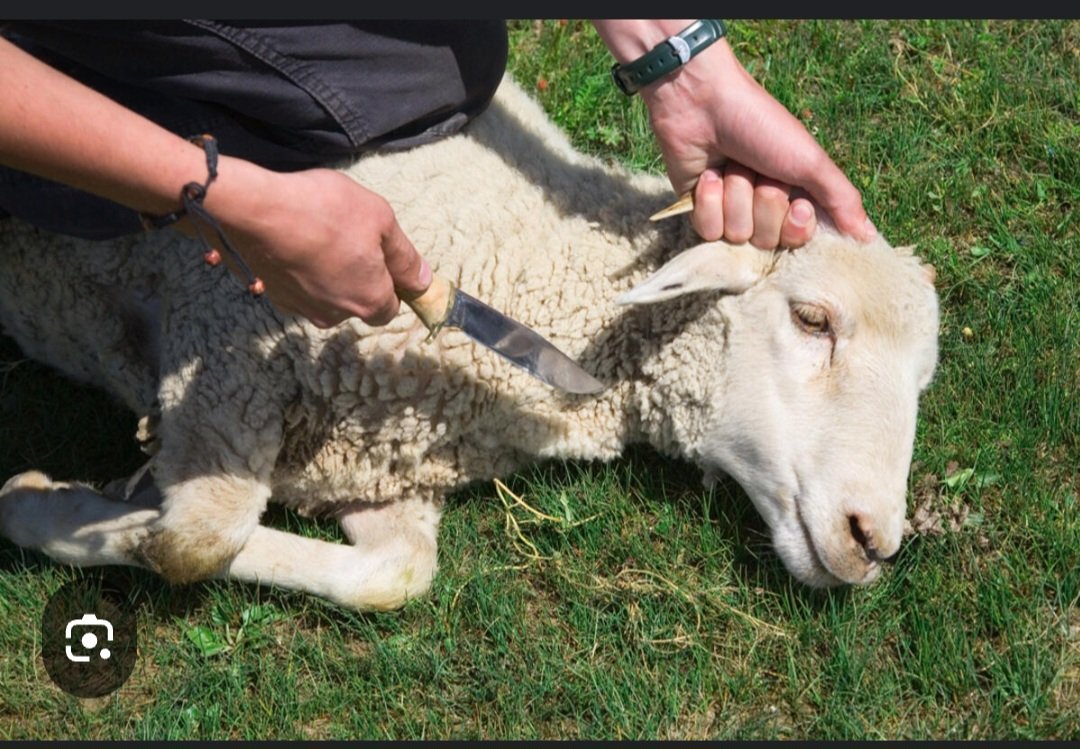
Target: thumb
407	267
842	201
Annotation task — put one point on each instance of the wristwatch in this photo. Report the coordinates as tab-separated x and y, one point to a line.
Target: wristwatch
667	56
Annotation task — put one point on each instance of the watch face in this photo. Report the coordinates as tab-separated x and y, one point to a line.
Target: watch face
682	49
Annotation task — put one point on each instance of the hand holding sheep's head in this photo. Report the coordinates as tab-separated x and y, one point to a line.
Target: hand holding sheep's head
813	402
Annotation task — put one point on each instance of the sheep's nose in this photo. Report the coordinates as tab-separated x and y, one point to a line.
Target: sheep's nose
862	530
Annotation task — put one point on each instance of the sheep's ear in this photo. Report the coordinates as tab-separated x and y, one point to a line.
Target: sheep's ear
712	266
929	271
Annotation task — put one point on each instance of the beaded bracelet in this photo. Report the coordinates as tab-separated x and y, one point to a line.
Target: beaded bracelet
192	196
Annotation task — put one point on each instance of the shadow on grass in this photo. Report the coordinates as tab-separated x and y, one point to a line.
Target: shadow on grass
659	485
45	419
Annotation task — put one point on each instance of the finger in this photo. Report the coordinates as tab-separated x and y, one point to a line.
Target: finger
841	200
708	216
738	202
382	304
320	316
407	267
284	305
799	224
770	207
324	321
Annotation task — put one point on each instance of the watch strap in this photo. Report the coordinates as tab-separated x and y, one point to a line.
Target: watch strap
667	56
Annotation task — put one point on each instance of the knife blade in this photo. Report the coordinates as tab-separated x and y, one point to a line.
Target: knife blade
444	305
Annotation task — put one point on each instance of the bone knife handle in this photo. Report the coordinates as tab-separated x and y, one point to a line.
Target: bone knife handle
684	204
433	305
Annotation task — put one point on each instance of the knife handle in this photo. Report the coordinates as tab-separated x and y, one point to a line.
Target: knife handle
433	305
684	204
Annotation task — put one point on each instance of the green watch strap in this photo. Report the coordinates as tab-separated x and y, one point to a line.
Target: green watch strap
667	56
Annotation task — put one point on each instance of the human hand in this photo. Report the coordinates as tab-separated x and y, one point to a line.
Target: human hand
747	159
325	247
722	135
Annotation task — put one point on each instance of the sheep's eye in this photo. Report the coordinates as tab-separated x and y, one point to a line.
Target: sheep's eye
811	318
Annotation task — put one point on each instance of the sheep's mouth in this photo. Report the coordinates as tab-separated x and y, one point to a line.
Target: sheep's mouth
828	578
820	576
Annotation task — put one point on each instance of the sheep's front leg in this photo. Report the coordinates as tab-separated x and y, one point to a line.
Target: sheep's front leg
72	523
189	532
392	557
222	399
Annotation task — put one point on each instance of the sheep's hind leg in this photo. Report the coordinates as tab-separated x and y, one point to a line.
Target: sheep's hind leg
203	523
392	557
72	523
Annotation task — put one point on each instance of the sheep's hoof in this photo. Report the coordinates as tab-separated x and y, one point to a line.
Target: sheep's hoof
133	489
115	489
29	480
146	433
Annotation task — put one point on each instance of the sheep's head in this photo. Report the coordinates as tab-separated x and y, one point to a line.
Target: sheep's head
813	411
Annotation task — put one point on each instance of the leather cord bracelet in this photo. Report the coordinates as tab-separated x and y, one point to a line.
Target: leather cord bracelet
668	56
192	196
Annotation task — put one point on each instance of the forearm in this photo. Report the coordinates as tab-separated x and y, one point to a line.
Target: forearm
713	79
627	40
53	126
630	39
325	246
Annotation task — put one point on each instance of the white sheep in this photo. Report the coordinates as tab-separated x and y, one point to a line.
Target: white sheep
797	373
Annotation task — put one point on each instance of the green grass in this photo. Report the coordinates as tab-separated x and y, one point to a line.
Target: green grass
641	606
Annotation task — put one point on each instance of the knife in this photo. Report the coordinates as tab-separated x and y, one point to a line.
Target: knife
444	305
